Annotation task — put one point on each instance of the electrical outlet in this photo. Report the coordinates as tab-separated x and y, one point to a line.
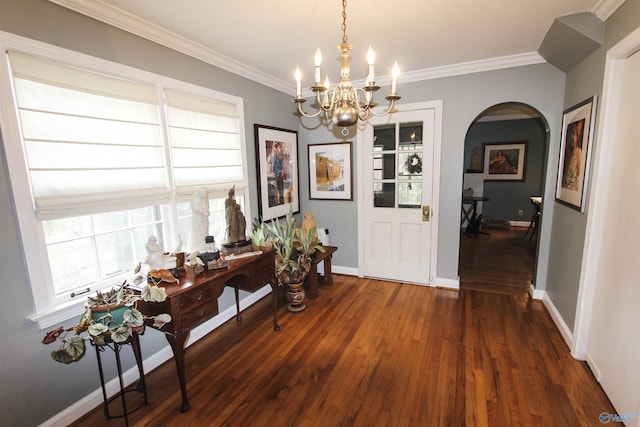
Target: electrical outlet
520	212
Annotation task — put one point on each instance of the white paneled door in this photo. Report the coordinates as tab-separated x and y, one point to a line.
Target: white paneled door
397	192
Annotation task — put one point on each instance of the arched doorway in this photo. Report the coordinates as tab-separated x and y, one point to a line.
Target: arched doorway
500	214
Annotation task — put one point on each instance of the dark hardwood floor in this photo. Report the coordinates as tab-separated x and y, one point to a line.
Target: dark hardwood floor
375	353
502	262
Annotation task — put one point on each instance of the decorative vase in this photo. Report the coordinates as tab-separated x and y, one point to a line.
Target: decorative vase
295	296
99	312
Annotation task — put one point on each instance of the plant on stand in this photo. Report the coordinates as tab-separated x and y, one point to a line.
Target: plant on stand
109	316
293	249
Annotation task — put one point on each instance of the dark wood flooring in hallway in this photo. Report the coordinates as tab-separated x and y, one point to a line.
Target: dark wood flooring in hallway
502	262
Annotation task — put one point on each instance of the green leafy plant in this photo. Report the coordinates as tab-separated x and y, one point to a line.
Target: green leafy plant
103	329
258	233
293	248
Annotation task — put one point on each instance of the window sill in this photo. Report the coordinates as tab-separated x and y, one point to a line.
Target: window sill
58	314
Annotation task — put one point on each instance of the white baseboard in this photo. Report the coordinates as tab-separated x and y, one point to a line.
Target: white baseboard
536	293
594	368
441	282
94	399
438	282
557	319
349	271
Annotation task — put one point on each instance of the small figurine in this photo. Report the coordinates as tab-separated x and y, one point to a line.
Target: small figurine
308	224
236	223
155	257
199	218
474	165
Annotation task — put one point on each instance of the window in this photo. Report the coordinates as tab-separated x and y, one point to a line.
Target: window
99	161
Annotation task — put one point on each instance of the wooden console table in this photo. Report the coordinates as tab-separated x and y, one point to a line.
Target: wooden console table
313	271
191	302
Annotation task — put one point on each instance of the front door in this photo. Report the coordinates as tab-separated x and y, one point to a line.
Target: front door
397	192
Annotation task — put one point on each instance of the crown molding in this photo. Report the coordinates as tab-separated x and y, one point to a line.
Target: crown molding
105	12
605	8
473	67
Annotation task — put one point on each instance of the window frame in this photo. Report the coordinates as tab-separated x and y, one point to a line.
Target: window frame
46	311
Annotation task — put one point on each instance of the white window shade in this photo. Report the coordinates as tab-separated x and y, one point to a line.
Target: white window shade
90	140
205	141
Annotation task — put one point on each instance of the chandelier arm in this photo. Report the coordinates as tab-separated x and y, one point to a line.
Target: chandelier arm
332	103
311	116
362	109
386	111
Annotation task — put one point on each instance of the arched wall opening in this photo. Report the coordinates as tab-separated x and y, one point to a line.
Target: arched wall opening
507	192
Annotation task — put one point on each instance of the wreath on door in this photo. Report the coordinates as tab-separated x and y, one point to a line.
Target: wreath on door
413	164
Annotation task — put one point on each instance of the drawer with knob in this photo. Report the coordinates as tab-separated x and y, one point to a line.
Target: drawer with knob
199	314
196	297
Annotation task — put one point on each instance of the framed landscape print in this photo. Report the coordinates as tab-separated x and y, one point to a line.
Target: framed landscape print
505	161
575	148
277	164
330	173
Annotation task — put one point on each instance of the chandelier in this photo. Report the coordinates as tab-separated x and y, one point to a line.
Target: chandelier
345	104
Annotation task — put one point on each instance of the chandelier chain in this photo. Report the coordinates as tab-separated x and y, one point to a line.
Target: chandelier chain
344	21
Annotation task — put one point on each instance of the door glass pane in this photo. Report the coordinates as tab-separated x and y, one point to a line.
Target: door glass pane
410	165
384	138
384	166
410	136
409	195
384	194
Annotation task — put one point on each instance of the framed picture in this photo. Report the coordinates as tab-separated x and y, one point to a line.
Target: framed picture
330	173
277	163
505	161
575	148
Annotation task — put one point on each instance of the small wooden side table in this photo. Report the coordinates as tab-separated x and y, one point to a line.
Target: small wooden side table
313	271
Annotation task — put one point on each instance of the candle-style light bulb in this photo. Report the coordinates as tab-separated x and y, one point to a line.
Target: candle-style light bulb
394	73
298	76
371	58
317	59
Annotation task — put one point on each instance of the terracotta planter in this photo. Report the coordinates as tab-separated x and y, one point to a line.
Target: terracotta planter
295	296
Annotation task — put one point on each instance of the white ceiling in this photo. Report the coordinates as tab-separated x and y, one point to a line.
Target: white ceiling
266	39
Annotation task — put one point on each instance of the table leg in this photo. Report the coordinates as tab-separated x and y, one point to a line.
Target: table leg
177	346
137	352
274	291
328	277
238	318
313	280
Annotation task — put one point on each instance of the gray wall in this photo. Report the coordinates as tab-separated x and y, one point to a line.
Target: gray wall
507	197
464	98
34	388
569	226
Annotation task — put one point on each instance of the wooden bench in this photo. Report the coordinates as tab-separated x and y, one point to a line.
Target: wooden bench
313	271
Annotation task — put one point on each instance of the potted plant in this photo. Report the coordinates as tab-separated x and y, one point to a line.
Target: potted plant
109	316
293	249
